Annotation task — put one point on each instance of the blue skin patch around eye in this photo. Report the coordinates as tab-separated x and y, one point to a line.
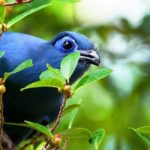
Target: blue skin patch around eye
59	45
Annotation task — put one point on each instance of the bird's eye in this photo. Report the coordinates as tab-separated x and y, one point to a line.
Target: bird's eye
67	45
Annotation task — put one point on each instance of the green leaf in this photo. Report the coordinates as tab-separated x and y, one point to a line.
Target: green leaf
51	82
69	64
97	137
91	77
40	128
25	14
52	73
73	115
74	133
40	146
2	14
16	124
2	54
143	133
70	108
26	64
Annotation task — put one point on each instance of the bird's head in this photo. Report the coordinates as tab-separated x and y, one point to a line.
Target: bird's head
68	42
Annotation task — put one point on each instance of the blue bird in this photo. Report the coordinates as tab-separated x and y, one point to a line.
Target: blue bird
42	104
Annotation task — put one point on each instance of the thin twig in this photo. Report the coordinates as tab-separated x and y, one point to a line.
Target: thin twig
16	3
2	91
1	120
60	113
67	93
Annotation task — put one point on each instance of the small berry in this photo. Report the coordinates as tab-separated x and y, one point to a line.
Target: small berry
2	89
57	139
67	88
19	1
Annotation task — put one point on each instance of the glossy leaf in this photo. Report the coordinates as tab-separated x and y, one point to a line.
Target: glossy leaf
70	108
97	137
51	73
40	128
73	115
40	146
74	133
51	82
2	14
2	54
143	133
91	77
25	14
69	64
26	64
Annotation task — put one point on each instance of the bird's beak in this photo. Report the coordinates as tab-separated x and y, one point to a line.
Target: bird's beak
90	56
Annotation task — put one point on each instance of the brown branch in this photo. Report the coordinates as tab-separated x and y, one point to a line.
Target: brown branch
17	3
1	120
60	113
67	92
50	144
2	90
7	143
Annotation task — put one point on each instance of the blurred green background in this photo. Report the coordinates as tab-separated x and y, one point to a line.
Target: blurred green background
120	29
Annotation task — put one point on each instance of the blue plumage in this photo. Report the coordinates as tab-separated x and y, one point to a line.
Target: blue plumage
42	104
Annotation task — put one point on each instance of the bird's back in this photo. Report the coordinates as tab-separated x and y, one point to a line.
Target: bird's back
18	47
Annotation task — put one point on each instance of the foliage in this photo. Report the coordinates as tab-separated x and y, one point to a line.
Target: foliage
53	78
115	103
1	54
143	133
22	66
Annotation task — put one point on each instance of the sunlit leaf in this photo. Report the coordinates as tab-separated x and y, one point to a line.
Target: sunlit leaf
40	146
16	124
69	64
26	64
70	108
93	76
97	137
25	143
143	133
51	82
73	115
40	128
74	133
52	73
2	14
25	14
2	54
